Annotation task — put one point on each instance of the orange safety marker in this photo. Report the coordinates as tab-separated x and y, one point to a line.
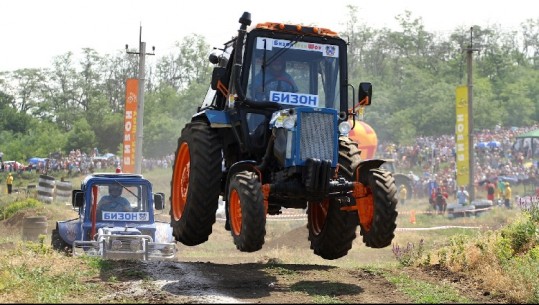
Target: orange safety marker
412	216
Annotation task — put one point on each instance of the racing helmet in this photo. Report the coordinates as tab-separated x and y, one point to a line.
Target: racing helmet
115	190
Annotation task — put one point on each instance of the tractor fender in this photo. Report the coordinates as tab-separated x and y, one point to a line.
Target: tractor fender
70	230
216	118
246	165
362	171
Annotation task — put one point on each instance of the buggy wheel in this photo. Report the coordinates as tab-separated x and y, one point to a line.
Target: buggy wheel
195	184
331	230
246	210
59	244
381	230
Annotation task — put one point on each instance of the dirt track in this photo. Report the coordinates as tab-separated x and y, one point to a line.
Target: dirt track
284	271
229	276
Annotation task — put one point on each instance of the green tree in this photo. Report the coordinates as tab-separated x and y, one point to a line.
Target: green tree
81	137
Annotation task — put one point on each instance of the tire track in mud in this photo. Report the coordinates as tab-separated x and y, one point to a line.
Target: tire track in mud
186	282
169	282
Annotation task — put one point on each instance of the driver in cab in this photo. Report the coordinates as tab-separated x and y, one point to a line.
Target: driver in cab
113	202
273	78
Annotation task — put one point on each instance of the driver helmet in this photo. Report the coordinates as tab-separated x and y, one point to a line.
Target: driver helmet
115	190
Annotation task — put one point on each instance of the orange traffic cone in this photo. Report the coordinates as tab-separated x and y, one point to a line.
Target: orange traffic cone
412	216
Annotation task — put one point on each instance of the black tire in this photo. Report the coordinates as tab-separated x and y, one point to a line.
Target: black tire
384	190
195	184
246	211
331	230
401	179
59	244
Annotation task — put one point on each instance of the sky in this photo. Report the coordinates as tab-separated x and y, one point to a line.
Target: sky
35	31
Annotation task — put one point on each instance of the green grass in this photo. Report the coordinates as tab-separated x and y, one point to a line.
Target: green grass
426	293
24	276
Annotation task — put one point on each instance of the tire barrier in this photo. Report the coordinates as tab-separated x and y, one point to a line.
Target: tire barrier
63	191
45	188
31	191
34	226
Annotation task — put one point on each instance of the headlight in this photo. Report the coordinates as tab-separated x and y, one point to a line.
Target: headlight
135	245
344	128
116	245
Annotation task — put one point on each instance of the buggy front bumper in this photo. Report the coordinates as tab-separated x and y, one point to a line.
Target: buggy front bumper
117	246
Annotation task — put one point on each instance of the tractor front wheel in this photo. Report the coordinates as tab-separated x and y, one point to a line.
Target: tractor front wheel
381	231
247	214
195	184
331	230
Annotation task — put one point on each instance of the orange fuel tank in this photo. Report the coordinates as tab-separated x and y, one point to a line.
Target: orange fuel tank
365	136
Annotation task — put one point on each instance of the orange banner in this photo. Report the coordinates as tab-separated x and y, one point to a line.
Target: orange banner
462	136
130	125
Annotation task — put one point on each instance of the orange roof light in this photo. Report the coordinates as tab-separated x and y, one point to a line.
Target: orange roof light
296	29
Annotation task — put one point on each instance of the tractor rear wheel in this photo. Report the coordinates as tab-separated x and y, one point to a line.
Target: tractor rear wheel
246	210
195	184
382	228
331	230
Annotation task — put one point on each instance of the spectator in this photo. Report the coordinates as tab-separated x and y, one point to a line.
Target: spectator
403	193
507	195
9	182
440	200
462	196
491	190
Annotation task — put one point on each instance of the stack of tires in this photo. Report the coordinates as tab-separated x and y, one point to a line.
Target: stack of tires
63	191
45	188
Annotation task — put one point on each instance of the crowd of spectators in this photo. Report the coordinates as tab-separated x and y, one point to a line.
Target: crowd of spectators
78	162
430	161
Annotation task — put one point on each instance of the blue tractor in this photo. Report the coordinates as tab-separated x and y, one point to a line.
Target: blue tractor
266	141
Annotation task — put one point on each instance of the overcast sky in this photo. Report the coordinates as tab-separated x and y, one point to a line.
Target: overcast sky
34	31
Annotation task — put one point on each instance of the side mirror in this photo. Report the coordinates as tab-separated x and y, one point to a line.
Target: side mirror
77	198
364	94
217	75
159	201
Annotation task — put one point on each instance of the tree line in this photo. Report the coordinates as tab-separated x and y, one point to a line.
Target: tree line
79	104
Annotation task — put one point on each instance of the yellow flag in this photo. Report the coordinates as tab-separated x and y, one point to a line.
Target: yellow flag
462	136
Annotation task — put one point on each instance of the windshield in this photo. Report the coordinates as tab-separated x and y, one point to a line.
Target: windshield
294	73
121	202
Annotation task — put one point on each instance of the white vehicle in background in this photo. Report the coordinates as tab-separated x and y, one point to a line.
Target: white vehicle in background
13	166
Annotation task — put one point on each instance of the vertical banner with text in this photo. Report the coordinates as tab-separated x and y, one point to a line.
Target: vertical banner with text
130	125
462	136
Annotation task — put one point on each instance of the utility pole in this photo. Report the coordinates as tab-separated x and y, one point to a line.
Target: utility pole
140	104
469	53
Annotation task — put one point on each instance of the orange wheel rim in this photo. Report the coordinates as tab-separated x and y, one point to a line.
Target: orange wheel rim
180	180
365	210
235	212
318	212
